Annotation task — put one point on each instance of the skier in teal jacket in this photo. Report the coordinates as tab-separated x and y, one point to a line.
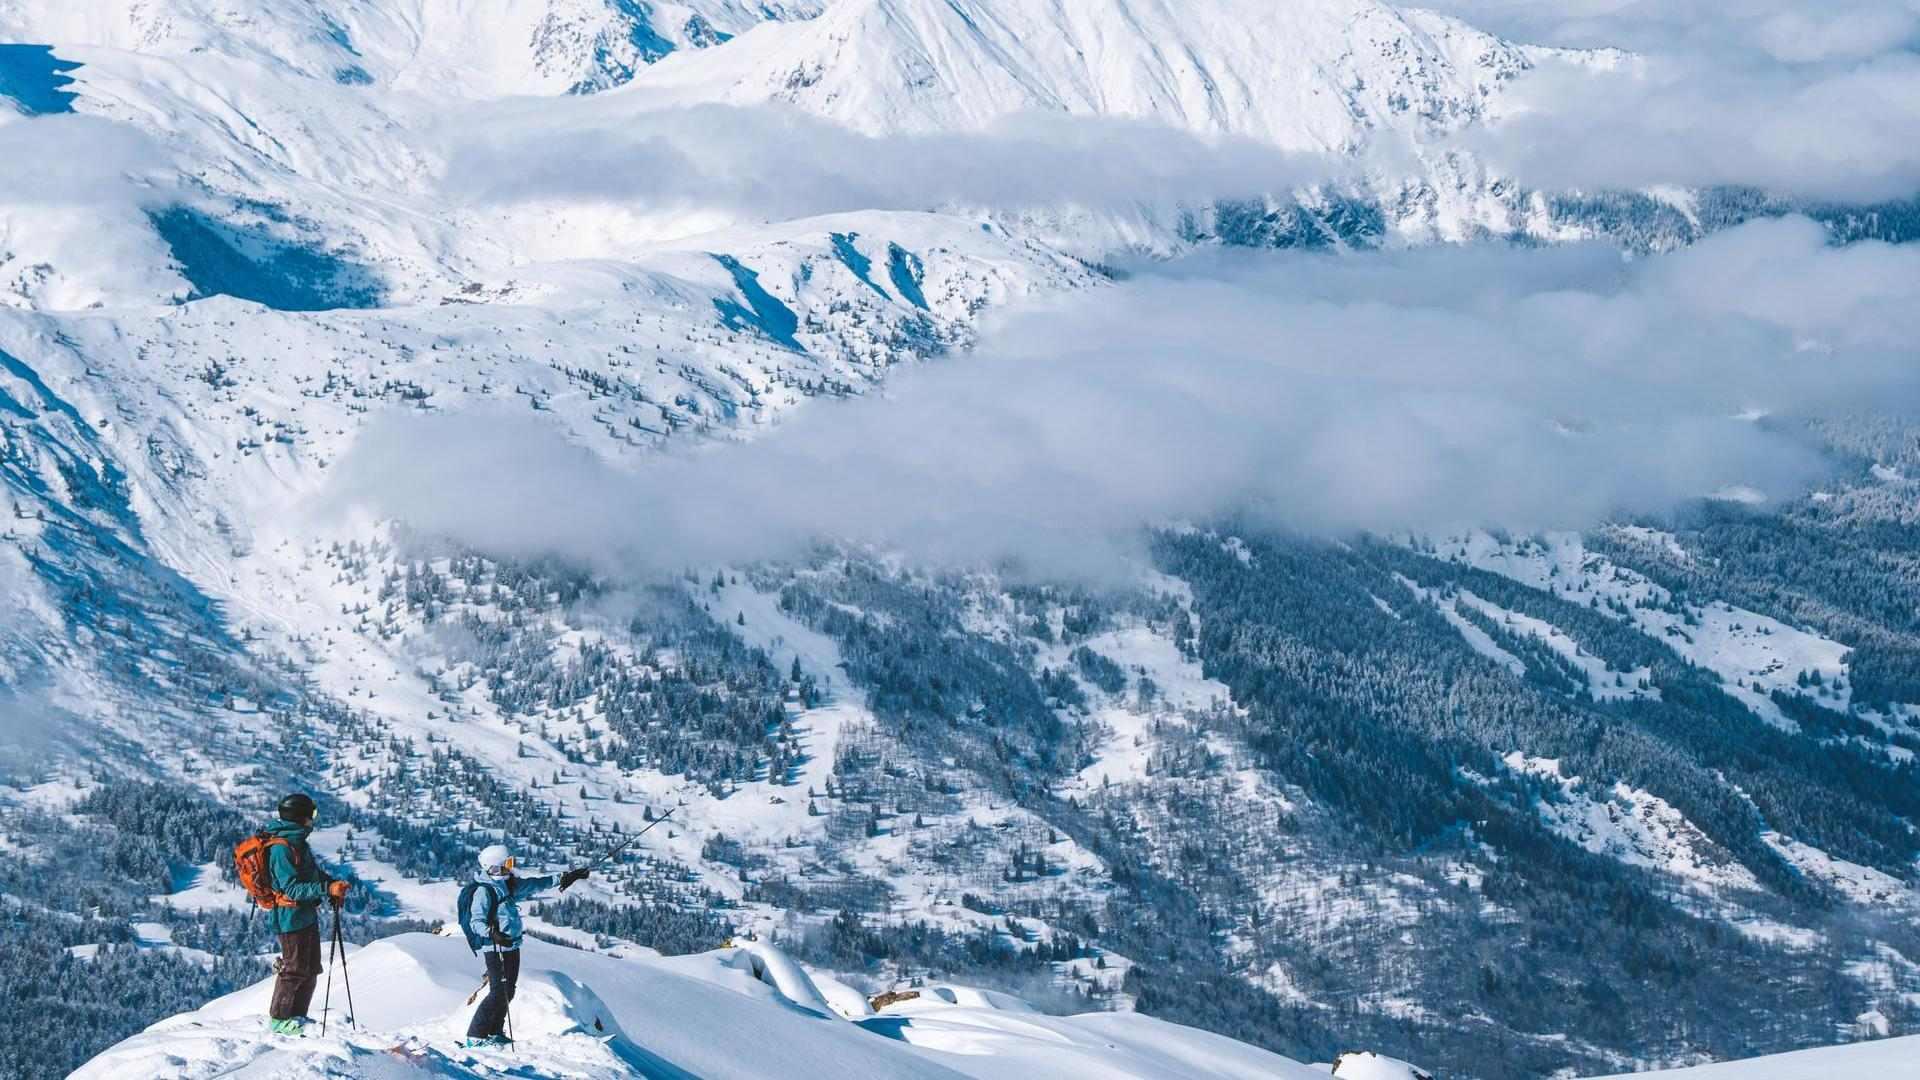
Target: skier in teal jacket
298	877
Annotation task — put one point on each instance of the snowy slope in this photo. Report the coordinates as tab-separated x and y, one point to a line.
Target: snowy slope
339	129
1755	654
438	46
1890	1059
589	1016
745	1013
165	445
1364	83
224	418
1638	828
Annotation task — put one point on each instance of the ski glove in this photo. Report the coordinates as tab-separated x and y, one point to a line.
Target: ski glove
502	940
571	876
337	892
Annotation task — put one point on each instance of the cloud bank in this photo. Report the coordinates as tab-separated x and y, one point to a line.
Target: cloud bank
80	161
74	191
1815	100
777	163
1416	390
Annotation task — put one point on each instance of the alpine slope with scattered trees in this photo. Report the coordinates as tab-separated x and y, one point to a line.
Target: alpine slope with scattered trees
1502	803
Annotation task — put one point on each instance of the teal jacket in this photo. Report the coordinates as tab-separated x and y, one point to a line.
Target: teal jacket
296	874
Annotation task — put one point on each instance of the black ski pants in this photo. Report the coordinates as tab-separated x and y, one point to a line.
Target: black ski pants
503	974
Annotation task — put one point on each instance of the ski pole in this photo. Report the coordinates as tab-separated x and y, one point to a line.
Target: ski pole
630	840
346	978
332	944
505	987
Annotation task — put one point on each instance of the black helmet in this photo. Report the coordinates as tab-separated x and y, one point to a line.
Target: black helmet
297	808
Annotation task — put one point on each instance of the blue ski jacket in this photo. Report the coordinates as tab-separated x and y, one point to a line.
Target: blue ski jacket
500	897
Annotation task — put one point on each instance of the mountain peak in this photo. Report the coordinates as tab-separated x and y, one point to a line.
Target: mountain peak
1312	77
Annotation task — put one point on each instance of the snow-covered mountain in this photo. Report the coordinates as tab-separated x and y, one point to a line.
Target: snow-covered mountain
1352	79
1303	794
1319	76
433	46
338	129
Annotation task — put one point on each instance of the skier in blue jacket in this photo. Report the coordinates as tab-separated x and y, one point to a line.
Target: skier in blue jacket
492	909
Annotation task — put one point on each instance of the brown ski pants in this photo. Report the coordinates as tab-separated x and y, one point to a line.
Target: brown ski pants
299	972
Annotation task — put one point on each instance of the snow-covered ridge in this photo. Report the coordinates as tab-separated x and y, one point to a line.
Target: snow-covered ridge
326	128
744	1013
1888	1059
438	47
1382	89
1306	76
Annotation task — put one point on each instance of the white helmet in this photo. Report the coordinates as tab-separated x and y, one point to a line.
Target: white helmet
496	860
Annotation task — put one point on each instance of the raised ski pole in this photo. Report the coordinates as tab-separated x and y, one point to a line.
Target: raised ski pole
630	840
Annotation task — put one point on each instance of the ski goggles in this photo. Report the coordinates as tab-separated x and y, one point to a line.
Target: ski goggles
503	867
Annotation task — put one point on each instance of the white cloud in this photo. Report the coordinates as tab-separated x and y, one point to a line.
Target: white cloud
79	160
74	190
1850	133
1818	100
1791	31
1423	389
776	163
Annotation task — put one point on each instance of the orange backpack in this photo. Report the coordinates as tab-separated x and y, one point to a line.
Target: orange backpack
252	866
